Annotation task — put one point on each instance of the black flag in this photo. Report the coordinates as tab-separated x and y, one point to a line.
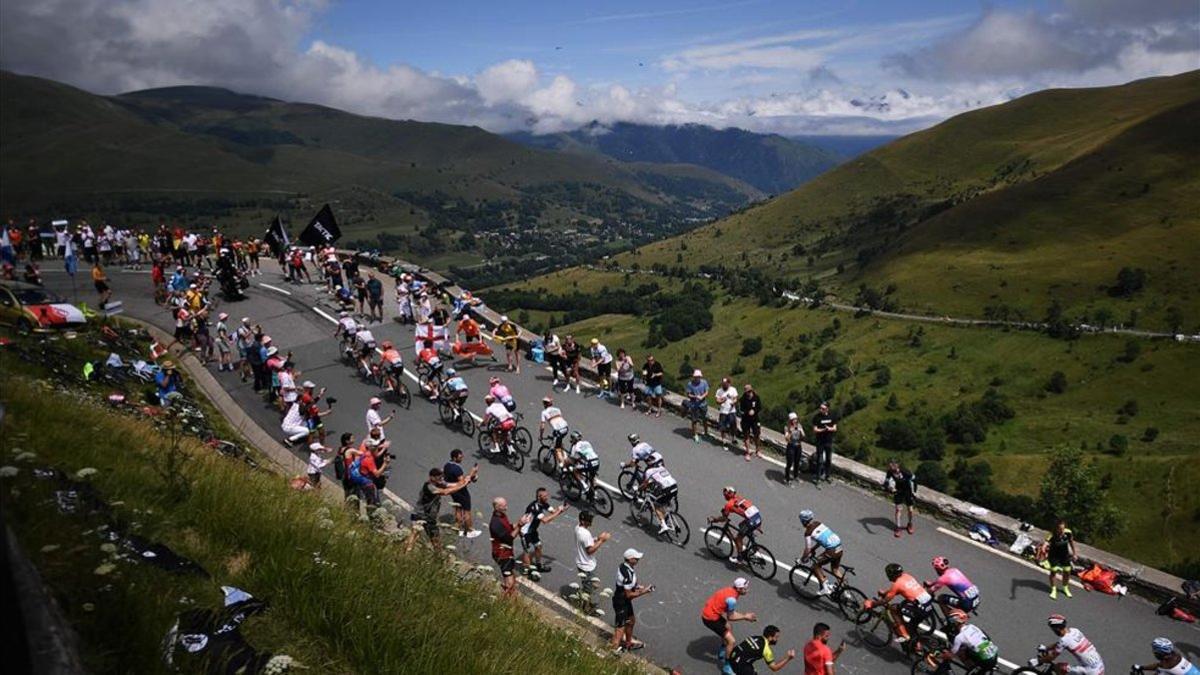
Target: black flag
323	230
277	236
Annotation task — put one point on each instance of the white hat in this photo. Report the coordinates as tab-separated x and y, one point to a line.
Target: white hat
793	416
740	583
272	351
309	384
222	316
503	317
375	400
633	553
245	319
697	373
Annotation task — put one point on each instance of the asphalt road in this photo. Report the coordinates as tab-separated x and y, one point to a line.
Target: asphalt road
1015	601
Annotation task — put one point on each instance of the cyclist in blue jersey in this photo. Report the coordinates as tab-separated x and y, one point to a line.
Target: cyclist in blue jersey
455	392
817	535
1169	660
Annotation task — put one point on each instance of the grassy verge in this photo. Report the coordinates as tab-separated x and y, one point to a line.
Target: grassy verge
342	598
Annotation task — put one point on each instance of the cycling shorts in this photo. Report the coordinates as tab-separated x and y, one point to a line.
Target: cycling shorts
508	424
832	556
718	626
952	600
664	497
748	525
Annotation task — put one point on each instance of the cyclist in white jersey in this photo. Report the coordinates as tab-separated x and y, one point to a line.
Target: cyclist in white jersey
552	417
1168	660
364	344
583	461
1074	641
660	486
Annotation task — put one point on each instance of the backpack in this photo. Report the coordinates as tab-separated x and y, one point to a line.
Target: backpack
355	472
339	466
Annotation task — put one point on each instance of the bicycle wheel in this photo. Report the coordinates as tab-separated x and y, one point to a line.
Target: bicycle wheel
568	485
762	561
717	543
851	601
602	501
445	413
523	440
1027	671
641	513
627	483
485	443
427	383
874	631
803	581
403	395
923	665
515	460
680	532
546	460
466	423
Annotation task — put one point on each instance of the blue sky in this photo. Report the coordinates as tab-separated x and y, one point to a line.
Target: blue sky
855	66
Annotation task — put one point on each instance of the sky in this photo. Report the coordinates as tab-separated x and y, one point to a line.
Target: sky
799	67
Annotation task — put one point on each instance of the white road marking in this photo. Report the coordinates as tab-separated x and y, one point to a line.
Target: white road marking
322	312
275	288
1002	554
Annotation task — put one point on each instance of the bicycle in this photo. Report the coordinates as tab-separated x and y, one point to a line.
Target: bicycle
875	630
521	437
1038	669
393	384
589	491
930	663
643	513
509	453
847	598
718	539
629	482
453	415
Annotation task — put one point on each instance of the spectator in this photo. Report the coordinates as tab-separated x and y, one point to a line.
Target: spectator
537	513
720	611
697	402
624	367
627	589
751	407
793	434
586	545
727	405
507	333
374	419
903	485
294	427
345	452
316	462
429	502
758	647
224	339
602	361
288	393
100	279
1059	553
167	382
502	532
463	519
818	658
552	348
571	352
312	412
375	296
652	377
824	425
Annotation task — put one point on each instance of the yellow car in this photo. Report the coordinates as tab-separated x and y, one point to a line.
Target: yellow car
31	308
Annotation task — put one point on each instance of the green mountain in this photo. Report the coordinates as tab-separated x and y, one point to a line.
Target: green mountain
1000	212
769	162
424	189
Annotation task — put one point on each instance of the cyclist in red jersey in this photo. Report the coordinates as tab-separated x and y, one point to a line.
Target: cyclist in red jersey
720	610
915	605
751	519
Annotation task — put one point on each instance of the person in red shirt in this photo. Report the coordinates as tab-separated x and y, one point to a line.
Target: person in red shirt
720	610
818	658
503	531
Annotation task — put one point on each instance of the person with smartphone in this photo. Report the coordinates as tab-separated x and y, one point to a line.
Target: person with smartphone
627	588
818	658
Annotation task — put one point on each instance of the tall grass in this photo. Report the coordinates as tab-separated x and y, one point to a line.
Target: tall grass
343	598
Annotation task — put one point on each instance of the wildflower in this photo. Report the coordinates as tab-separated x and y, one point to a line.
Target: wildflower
8	471
85	472
106	568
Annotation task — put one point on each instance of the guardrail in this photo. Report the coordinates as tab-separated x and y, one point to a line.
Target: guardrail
1144	580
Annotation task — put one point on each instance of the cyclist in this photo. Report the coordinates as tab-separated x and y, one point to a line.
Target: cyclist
751	519
754	648
552	417
346	328
965	594
1074	641
429	358
364	343
499	422
660	487
915	605
641	457
583	461
720	610
969	644
818	535
500	392
1168	660
455	392
391	362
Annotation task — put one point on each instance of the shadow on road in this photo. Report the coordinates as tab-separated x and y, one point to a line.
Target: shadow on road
869	524
1033	584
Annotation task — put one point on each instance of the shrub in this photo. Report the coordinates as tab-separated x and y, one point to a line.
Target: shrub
1057	383
1117	445
1150	434
883	377
770	361
972	481
829	360
1071	490
1129	408
737	368
751	346
1133	349
893	403
1129	281
932	476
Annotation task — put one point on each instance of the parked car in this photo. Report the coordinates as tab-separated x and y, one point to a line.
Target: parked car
32	308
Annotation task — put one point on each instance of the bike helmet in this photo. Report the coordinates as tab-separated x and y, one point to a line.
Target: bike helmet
633	439
450	372
387	344
940	564
806	516
1162	647
1056	621
576	436
728	490
892	571
956	617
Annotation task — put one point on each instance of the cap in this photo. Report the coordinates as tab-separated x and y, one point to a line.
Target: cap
222	316
272	351
697	373
309	384
633	553
375	400
793	416
595	341
266	339
503	317
740	583
747	387
245	319
191	285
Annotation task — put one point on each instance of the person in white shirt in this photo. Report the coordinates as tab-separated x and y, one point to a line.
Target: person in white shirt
374	419
586	545
727	399
660	486
498	421
294	426
365	343
1074	641
316	462
602	361
287	385
552	417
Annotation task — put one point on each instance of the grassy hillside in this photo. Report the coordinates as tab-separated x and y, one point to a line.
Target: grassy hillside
206	155
980	213
770	162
